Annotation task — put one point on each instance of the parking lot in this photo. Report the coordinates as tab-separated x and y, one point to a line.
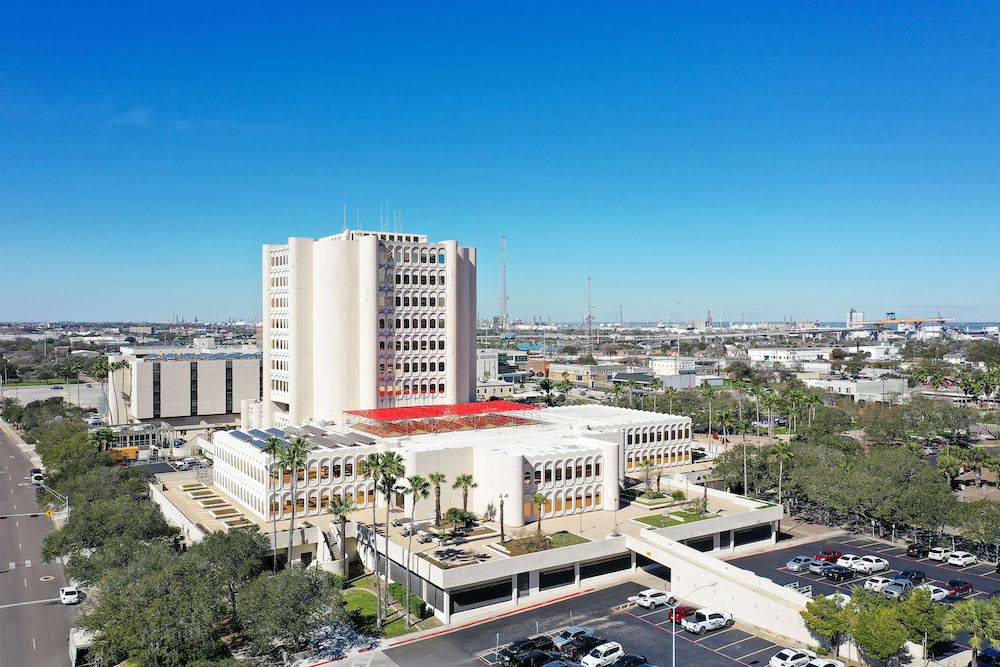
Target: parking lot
638	630
982	576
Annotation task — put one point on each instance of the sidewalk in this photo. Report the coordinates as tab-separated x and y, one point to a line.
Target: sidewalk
26	449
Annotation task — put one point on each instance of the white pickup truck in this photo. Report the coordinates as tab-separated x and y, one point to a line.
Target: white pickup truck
704	620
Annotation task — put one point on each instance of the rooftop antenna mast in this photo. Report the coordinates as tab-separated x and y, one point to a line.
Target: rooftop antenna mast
503	285
590	318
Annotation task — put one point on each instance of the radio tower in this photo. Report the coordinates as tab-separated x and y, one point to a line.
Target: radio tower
590	319
503	284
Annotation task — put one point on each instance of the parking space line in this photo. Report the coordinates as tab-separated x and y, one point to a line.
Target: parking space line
655	611
687	639
766	648
738	641
716	633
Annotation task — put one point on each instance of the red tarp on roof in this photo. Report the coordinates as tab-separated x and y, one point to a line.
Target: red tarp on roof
431	411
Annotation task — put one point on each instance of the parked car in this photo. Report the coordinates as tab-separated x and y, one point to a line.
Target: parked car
569	634
917	550
56	386
961	558
848	560
581	646
37	478
515	648
824	662
799	563
988	657
828	555
839	573
562	662
905	583
533	659
938	553
820	566
678	614
603	655
894	592
878	583
916	576
630	660
791	657
957	587
704	620
842	599
69	595
652	598
35	470
870	564
950	600
937	593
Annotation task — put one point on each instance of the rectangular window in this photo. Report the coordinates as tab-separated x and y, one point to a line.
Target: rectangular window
229	386
156	390
349	469
527	478
371	495
538	477
548	475
194	388
579	472
558	474
569	473
324	472
589	470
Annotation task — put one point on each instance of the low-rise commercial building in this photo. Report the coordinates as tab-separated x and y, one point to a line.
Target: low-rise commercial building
585	375
672	365
883	390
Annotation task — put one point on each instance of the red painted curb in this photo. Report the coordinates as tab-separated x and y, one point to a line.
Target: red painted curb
468	625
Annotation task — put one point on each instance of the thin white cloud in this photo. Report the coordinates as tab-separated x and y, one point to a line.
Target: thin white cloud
138	116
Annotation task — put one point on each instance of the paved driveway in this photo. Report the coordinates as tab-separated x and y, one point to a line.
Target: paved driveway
641	631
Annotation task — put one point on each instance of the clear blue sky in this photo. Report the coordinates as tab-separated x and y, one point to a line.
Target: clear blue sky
767	159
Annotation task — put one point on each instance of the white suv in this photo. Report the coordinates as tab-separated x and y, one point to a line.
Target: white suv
704	620
938	553
603	655
651	598
937	593
848	560
878	583
792	657
870	564
961	558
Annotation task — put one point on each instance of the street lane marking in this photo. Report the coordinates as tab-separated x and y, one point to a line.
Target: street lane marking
33	644
27	563
25	583
13	565
766	648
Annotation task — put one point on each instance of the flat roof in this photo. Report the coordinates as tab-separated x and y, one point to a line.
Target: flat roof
606	416
432	411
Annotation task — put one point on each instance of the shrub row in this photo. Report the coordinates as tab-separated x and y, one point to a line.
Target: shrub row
417	606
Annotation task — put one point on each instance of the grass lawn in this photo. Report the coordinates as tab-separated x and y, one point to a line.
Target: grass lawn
664	521
360	606
534	543
565	538
41	383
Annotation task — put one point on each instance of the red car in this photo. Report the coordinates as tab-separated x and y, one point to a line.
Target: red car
829	555
957	587
679	614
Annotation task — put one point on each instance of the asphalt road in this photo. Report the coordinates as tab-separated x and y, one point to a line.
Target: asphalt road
641	631
34	626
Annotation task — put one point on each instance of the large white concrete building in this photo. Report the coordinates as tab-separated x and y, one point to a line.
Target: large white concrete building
577	456
364	320
190	388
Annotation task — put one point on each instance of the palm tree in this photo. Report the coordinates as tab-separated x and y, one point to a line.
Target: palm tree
655	385
273	447
707	393
670	392
392	470
632	385
948	465
437	479
340	508
371	469
979	618
539	501
546	386
502	496
757	392
464	482
565	386
616	392
293	458
418	489
726	418
780	452
812	400
115	367
770	403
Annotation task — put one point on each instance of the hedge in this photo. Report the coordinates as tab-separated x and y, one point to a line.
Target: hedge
417	606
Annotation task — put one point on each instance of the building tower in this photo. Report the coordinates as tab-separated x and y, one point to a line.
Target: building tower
363	320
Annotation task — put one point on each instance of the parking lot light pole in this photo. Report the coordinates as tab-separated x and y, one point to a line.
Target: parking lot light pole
673	617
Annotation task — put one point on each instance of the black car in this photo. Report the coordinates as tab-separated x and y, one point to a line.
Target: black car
533	659
917	550
950	600
839	573
581	646
33	471
515	648
629	661
916	576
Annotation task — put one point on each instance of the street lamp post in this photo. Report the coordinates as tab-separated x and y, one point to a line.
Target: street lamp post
673	617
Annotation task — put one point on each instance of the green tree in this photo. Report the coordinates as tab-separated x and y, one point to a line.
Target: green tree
617	392
878	631
978	520
546	386
780	452
93	525
340	508
418	489
392	471
102	439
465	482
281	611
293	458
708	393
273	448
231	559
437	479
670	392
979	618
828	620
538	500
655	385
648	471
371	469
922	617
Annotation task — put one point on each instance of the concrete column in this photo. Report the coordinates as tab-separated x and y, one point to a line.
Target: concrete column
368	380
533	582
576	574
453	350
513	586
632	555
446	603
